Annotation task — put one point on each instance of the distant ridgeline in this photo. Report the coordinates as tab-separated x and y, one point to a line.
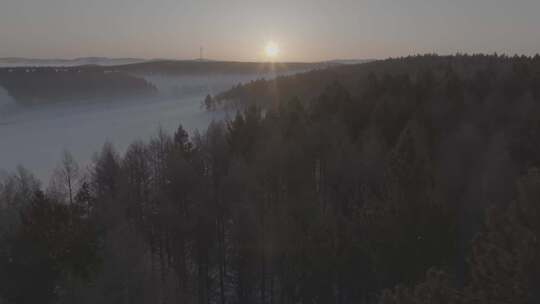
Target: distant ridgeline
55	84
35	85
190	67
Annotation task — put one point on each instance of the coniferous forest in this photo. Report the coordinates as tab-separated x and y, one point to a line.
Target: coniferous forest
410	180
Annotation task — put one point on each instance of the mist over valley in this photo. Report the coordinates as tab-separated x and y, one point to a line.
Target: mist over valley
46	110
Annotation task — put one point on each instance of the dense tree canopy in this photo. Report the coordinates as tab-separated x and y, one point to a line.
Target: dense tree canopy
409	180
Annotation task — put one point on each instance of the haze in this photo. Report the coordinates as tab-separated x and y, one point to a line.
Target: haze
35	136
239	29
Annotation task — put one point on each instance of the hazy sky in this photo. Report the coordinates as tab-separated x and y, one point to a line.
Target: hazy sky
305	30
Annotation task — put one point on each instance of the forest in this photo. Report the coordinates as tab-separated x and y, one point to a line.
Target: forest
42	85
403	181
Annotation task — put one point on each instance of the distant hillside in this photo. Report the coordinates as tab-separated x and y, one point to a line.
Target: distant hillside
33	62
349	61
34	84
45	85
196	67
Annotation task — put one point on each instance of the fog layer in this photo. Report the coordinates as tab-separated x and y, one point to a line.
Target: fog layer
36	136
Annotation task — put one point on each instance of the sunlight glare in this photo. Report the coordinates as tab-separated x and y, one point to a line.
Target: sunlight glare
271	50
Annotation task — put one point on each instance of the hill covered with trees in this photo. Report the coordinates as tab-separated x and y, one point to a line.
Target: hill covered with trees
41	85
48	84
410	180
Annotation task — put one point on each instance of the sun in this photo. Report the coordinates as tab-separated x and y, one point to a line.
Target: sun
271	50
